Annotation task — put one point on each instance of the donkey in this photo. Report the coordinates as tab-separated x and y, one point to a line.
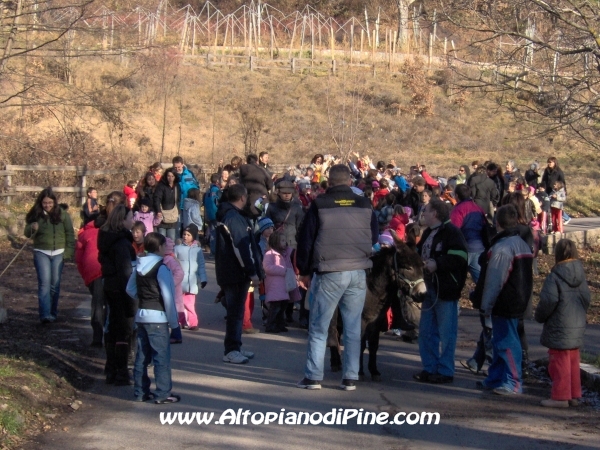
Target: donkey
394	281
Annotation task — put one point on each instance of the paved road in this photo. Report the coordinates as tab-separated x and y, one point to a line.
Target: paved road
583	224
108	419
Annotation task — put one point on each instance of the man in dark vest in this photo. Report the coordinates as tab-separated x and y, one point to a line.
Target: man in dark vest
334	244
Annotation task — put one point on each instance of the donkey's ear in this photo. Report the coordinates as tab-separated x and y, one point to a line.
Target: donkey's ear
400	245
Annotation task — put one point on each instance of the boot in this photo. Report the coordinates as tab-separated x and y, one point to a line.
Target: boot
271	326
121	373
525	365
110	368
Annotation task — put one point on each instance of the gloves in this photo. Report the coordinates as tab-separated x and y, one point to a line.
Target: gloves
203	284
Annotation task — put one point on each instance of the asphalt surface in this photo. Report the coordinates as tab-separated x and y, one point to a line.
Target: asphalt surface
109	419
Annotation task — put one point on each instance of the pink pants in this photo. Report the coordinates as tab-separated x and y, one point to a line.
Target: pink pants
189	303
248	309
564	371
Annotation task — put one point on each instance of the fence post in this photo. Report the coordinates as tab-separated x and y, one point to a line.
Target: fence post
293	65
251	63
83	186
8	184
333	67
208	59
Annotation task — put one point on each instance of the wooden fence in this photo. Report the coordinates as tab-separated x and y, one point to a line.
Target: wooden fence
80	191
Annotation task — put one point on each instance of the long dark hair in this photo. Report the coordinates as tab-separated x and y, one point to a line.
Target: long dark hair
317	156
115	219
37	211
164	180
556	166
518	201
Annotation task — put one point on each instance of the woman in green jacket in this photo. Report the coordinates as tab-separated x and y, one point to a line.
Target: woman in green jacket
53	242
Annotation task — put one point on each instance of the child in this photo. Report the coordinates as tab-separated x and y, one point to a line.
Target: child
152	284
277	263
564	300
544	200
265	230
138	231
146	215
91	210
399	222
191	209
191	258
171	262
557	198
130	193
425	198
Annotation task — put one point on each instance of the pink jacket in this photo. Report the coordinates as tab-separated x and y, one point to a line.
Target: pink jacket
148	219
171	262
86	253
275	265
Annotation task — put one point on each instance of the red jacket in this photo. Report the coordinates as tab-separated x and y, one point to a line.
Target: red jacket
131	196
86	254
379	195
398	224
430	181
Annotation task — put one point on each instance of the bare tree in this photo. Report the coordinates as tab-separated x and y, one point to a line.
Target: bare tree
539	59
251	126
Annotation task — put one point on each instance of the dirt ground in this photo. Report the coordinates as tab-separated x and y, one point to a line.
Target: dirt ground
44	370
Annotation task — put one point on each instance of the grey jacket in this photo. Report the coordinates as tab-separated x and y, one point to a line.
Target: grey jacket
564	301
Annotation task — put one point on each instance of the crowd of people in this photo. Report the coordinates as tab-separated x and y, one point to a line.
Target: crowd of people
303	239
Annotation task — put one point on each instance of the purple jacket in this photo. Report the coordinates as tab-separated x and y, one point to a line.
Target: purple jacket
148	220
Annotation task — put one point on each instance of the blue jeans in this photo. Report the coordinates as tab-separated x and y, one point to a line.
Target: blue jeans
505	369
171	233
49	270
565	216
152	345
235	299
438	326
346	290
474	267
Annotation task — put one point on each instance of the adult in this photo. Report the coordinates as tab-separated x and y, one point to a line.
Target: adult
238	263
286	213
552	174
166	204
335	241
471	221
187	180
211	203
506	292
444	252
263	161
413	198
512	173
115	253
484	191
257	181
494	172
51	228
532	175
463	174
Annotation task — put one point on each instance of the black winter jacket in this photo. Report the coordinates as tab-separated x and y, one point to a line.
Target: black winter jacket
449	250
258	183
483	191
552	176
166	197
238	257
115	254
564	301
278	213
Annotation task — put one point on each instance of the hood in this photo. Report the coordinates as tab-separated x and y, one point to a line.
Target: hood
128	191
146	263
478	178
106	239
224	208
189	203
89	226
169	246
570	271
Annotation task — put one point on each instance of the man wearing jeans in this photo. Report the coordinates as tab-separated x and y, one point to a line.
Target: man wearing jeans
335	242
444	252
238	263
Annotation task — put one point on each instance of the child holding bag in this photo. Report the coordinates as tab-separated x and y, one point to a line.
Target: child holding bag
280	282
564	301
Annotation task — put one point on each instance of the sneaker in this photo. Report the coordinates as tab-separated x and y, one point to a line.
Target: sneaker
440	379
549	403
348	385
503	390
565	222
471	365
248	355
574	402
395	332
235	357
305	383
251	331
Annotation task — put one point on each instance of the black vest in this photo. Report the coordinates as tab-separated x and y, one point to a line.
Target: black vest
148	289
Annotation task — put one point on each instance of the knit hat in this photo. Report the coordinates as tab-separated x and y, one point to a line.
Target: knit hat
375	184
264	224
386	239
169	246
146	202
193	230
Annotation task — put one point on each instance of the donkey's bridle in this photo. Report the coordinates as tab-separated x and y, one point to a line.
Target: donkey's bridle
401	278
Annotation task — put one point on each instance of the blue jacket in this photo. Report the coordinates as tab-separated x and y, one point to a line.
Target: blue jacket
237	256
470	218
401	183
211	202
187	181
